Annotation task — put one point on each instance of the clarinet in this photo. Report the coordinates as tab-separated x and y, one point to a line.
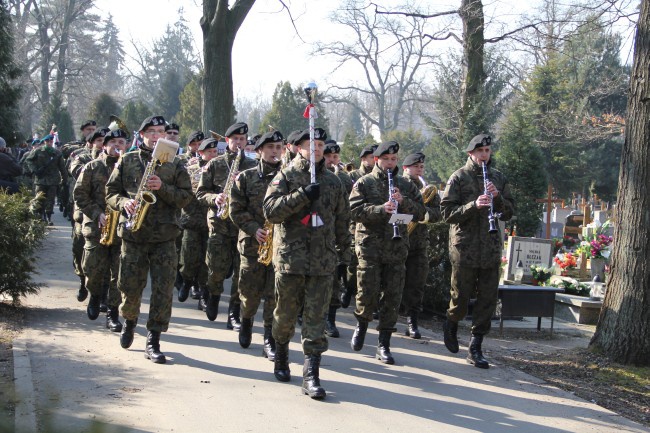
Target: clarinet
492	217
391	191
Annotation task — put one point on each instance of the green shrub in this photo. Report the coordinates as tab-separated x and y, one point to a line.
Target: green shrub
436	292
20	236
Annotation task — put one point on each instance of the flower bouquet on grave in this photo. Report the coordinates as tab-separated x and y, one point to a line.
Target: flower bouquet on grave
541	275
569	242
567	262
572	287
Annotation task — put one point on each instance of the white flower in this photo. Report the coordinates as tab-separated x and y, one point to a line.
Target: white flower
605	252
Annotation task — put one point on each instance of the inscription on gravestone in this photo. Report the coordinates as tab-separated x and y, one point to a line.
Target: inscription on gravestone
531	251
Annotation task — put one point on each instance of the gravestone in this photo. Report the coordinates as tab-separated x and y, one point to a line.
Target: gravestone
530	251
572	225
557	230
601	216
560	213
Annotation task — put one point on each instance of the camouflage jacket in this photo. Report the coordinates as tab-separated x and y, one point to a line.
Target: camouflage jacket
345	179
357	174
373	234
90	192
194	216
161	223
419	237
246	204
470	244
75	163
68	148
47	166
212	182
299	248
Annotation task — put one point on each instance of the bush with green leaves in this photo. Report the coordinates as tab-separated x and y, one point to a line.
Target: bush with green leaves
20	236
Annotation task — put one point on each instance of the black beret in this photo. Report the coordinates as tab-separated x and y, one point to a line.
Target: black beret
237	128
330	141
319	134
196	136
269	137
87	123
291	139
253	140
479	141
332	148
118	133
173	126
368	150
208	143
152	121
99	133
387	147
413	158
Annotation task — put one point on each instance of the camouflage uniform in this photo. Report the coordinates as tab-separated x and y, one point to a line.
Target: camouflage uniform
100	263
68	200
475	254
256	281
352	267
346	181
47	165
305	257
76	161
221	257
151	248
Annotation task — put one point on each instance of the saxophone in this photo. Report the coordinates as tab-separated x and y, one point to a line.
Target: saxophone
428	193
108	231
265	250
223	211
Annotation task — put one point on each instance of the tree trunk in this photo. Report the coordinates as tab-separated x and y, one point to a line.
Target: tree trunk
623	330
46	55
471	12
220	26
61	64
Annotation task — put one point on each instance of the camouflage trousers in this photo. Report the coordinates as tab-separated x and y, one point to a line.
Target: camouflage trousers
137	260
379	288
78	246
291	293
337	288
50	195
222	259
352	273
256	283
417	270
192	257
101	266
465	282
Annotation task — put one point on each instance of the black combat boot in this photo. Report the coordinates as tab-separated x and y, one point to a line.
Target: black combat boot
269	344
178	283
310	380
246	332
103	306
82	294
412	326
281	362
475	354
203	300
184	291
113	320
212	306
126	337
359	335
383	348
330	323
92	310
152	351
49	219
233	321
195	292
450	329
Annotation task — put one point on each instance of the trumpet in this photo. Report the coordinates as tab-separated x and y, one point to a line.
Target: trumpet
492	217
391	191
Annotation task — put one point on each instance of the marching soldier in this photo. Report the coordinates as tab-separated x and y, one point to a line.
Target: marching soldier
100	260
194	221
475	253
417	261
172	130
191	154
152	248
222	257
380	274
305	257
367	162
256	280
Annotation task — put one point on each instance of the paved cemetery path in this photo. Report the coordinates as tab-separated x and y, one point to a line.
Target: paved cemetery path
71	372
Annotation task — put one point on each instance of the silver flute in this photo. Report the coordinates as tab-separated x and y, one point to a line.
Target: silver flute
391	191
492	217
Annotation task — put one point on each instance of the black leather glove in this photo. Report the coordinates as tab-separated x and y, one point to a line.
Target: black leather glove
342	272
312	191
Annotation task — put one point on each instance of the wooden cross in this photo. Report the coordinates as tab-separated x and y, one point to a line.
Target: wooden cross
549	200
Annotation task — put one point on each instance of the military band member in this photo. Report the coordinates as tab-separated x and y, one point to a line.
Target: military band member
194	221
305	257
380	274
222	257
191	154
333	162
417	261
475	253
151	249
366	162
100	262
172	130
256	280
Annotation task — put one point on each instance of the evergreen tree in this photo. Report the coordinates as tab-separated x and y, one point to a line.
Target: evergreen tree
134	113
168	101
189	116
56	114
9	72
102	108
287	109
113	53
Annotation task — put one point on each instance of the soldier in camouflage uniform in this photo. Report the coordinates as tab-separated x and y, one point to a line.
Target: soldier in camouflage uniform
172	130
47	165
194	221
333	163
191	154
256	280
305	257
222	257
151	249
100	262
417	262
380	274
87	129
475	253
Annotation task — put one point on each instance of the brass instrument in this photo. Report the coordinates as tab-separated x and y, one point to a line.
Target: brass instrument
116	123
217	136
164	151
391	191
349	167
223	211
428	193
108	231
265	250
492	217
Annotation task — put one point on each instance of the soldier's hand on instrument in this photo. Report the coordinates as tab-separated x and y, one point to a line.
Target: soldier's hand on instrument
492	189
390	206
483	201
129	207
221	199
397	196
312	191
154	183
101	220
261	235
